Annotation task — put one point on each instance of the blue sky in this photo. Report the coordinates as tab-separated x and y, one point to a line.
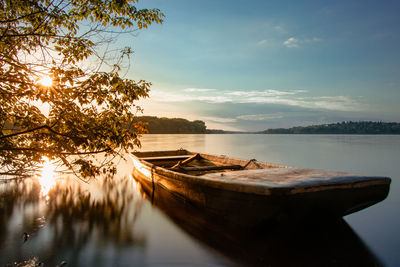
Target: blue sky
253	65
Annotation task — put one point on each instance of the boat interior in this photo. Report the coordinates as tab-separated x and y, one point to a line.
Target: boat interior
184	161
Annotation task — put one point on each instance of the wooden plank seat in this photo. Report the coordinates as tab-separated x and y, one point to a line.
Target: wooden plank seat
211	168
166	158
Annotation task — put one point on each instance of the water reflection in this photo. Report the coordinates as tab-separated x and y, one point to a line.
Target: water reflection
83	224
147	238
321	243
47	179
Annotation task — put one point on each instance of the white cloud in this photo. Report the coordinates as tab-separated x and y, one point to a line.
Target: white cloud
268	92
291	42
335	103
219	119
163	96
199	90
297	98
213	99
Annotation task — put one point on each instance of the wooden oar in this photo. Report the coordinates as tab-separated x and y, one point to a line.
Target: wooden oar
182	163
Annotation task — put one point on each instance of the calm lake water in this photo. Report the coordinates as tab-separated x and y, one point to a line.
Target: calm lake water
112	223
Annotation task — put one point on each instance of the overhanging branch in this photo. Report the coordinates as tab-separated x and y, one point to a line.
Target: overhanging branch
23	132
36	129
45	151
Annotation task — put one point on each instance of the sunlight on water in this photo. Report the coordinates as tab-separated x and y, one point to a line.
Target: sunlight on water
134	182
137	188
47	179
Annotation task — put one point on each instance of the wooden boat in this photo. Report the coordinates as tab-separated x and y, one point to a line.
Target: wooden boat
243	191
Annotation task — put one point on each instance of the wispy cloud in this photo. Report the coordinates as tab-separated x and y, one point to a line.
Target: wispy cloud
199	90
297	98
268	92
293	42
219	119
162	96
260	117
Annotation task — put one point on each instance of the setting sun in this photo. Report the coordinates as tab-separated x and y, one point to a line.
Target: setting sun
45	81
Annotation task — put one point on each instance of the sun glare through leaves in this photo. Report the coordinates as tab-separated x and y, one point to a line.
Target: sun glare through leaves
45	81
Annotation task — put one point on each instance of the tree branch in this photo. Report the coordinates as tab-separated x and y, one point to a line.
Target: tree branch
23	132
36	129
21	17
53	152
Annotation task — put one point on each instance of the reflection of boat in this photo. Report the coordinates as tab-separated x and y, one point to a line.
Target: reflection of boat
332	243
260	191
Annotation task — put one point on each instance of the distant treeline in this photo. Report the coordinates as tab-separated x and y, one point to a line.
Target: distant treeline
348	127
214	131
157	125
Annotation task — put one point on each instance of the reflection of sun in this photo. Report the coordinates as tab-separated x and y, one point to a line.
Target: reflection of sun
47	179
45	81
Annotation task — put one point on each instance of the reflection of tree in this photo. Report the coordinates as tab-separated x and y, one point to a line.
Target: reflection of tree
100	213
16	194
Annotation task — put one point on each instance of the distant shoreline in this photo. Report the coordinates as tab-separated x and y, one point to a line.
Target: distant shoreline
155	125
340	128
349	127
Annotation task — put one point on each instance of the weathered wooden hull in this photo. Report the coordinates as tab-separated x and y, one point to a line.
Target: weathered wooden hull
242	204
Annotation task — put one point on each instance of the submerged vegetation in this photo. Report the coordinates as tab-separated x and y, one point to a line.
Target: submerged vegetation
349	127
